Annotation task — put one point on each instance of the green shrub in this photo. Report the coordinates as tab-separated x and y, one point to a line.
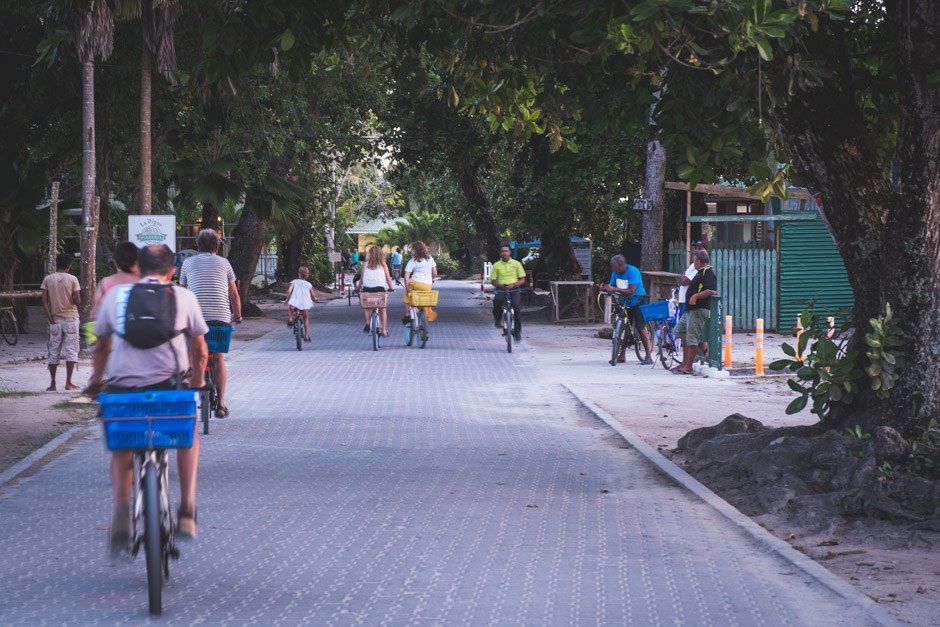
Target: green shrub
445	264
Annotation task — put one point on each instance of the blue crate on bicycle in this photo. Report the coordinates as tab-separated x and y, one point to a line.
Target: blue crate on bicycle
154	419
655	311
219	338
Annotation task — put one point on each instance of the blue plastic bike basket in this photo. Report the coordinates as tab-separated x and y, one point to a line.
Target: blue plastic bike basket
655	311
219	338
140	420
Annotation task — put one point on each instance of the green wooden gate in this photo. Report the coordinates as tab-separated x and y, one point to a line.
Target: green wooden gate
747	281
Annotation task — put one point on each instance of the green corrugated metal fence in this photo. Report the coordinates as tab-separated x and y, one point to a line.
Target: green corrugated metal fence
811	267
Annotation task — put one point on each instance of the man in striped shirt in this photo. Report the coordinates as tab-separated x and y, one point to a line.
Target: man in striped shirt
211	278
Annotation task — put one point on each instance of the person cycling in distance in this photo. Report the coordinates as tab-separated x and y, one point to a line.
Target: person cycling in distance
211	278
627	282
420	273
508	274
375	278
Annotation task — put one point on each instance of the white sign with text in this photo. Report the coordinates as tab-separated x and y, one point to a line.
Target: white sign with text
147	230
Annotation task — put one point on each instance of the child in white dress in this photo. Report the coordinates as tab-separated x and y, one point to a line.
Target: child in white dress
301	295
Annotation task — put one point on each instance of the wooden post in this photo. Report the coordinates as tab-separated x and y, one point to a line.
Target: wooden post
727	342
53	226
759	349
799	332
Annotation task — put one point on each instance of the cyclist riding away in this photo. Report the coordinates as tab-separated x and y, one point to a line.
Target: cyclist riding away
419	277
211	278
396	265
508	274
375	278
162	366
302	296
627	282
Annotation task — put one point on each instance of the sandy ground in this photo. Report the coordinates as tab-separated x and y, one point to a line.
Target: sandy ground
894	565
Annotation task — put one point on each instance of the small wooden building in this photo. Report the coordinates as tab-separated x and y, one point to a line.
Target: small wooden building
771	259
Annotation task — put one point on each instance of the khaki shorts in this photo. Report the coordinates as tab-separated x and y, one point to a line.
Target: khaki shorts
63	341
691	325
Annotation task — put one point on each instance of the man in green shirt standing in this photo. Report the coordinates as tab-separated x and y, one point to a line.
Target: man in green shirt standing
507	274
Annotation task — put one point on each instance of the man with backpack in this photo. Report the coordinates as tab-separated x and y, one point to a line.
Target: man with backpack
144	330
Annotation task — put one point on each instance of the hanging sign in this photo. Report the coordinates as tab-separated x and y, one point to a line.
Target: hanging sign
147	230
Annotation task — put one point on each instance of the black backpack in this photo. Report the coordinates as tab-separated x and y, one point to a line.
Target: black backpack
150	315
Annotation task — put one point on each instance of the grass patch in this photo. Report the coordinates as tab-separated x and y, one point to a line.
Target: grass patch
18	394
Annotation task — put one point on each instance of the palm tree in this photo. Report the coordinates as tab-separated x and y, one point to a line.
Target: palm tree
159	22
91	26
424	226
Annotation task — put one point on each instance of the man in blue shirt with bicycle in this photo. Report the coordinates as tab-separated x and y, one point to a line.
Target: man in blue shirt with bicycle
627	282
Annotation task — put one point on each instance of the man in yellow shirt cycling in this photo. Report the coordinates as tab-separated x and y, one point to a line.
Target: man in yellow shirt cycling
507	274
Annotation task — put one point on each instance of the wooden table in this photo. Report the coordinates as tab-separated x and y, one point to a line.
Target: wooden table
557	312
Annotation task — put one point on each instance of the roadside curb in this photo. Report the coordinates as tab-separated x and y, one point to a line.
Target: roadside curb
757	533
20	467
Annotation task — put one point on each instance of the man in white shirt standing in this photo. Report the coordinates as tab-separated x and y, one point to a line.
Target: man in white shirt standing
689	274
211	278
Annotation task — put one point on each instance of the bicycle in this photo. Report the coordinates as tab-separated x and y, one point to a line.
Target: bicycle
417	328
8	326
507	321
665	317
297	326
625	333
374	301
150	423
218	340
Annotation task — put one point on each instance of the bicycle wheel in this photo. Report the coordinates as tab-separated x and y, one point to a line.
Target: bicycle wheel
299	333
423	328
616	338
668	354
205	409
638	346
374	329
410	329
8	328
507	329
152	539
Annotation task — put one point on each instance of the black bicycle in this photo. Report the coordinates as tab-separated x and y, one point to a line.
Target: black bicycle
297	326
625	334
150	423
506	322
210	395
8	326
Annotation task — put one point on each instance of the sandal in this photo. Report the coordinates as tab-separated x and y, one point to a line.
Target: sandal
186	523
221	412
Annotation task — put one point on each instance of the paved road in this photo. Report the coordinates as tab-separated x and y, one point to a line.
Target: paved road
445	486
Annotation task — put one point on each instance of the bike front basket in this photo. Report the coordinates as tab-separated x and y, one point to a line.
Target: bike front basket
371	300
157	419
424	299
219	338
655	311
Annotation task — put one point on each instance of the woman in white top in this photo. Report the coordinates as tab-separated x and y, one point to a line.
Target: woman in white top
301	295
375	278
419	276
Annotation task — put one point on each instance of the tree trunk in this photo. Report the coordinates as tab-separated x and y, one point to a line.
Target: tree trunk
652	238
210	216
249	235
481	212
889	236
146	193
89	221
